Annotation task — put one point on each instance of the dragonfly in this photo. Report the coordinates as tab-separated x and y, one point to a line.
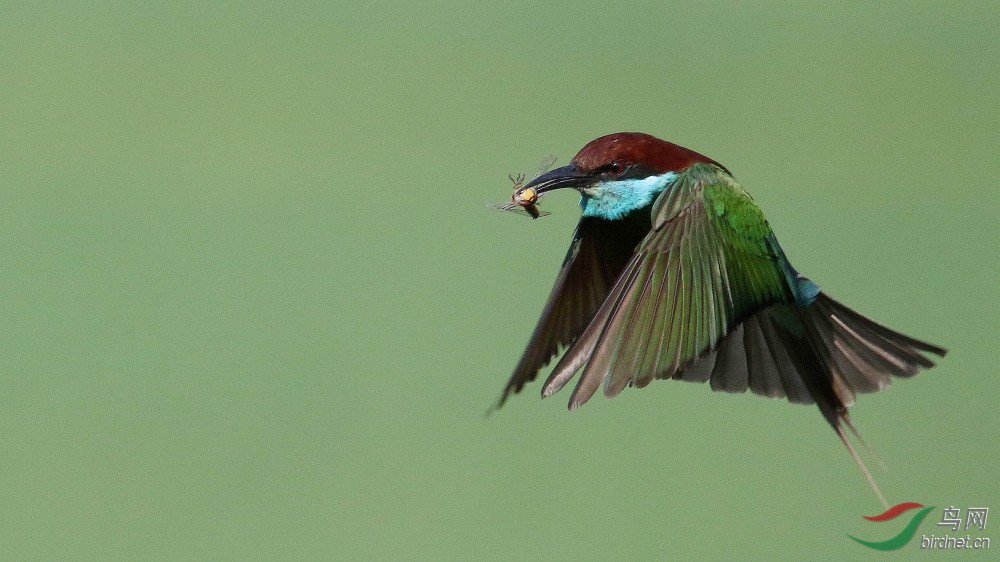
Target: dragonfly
524	200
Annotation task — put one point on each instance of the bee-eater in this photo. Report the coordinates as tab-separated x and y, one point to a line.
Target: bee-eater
674	273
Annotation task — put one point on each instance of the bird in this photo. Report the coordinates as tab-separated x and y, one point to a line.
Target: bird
673	272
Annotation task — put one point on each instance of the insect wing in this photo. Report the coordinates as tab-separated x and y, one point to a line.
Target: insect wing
512	208
546	164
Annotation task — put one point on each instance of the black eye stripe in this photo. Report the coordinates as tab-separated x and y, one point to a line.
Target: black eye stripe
612	169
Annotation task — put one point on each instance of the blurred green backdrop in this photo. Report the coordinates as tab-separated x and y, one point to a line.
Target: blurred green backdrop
254	304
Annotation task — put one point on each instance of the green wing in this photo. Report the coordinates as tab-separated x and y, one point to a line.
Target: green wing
709	262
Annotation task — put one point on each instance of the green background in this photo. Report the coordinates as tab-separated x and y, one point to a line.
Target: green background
254	303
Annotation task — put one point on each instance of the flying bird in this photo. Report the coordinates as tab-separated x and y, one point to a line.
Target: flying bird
674	273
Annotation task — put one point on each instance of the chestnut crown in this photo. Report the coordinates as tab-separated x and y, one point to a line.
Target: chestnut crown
612	154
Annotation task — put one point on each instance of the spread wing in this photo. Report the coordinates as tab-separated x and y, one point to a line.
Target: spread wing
708	263
596	257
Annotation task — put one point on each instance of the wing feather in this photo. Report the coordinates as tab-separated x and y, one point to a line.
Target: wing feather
675	301
596	257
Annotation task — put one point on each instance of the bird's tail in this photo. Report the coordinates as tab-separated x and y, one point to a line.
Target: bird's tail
854	454
857	354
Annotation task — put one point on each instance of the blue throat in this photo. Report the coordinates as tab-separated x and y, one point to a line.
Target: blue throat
612	200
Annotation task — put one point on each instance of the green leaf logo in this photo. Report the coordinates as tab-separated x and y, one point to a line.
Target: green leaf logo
905	535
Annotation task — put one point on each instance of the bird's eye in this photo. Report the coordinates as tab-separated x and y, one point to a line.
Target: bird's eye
613	170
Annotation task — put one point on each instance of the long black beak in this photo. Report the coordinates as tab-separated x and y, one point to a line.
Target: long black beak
566	176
